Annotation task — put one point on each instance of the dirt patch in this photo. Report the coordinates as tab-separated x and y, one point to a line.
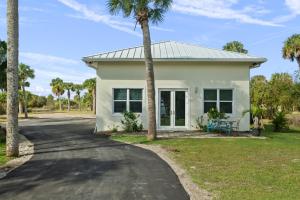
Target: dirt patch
26	151
191	188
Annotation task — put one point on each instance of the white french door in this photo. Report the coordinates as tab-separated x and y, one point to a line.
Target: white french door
173	109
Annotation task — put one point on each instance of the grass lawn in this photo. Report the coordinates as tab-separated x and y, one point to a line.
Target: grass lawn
3	158
239	168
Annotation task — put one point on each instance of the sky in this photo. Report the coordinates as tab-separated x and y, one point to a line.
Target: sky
56	34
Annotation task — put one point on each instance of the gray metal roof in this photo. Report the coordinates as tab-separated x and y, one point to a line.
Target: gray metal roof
174	51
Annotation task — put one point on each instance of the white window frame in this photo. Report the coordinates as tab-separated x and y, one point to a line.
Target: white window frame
218	101
127	99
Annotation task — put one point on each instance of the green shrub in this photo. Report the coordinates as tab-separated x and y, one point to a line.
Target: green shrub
130	122
215	114
280	122
199	124
2	135
2	103
113	128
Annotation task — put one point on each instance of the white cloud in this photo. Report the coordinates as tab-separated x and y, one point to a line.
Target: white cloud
98	16
29	9
38	58
222	9
89	14
294	6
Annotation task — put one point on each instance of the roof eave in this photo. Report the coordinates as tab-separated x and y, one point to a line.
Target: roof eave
255	61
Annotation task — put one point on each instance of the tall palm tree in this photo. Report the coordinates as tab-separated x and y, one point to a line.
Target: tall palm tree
90	85
25	72
291	49
145	11
12	143
69	87
77	89
235	46
58	89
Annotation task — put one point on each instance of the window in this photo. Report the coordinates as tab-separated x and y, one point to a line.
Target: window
128	100
210	100
220	99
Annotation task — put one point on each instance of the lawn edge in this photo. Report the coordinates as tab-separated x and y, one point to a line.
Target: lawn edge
194	191
26	149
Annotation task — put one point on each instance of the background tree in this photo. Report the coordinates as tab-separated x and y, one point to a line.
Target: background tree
77	89
291	49
90	85
87	100
279	94
69	87
35	101
258	90
12	128
144	12
2	103
50	102
25	72
58	89
296	95
235	46
3	65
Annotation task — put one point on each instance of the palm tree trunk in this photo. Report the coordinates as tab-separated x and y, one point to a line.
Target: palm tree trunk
69	106
79	103
12	143
94	101
59	103
298	60
20	106
25	102
150	80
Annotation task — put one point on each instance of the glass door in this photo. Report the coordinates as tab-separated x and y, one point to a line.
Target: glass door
165	108
172	108
180	108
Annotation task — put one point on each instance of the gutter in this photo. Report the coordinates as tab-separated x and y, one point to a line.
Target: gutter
252	60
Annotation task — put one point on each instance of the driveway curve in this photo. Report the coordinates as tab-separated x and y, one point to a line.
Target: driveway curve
71	163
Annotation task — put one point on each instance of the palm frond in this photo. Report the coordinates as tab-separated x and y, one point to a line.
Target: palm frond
156	15
117	6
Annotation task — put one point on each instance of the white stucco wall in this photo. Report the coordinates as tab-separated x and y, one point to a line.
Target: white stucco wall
192	76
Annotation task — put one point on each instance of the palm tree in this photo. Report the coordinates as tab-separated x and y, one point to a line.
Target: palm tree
235	46
12	143
145	11
77	89
58	89
291	49
90	85
25	72
69	87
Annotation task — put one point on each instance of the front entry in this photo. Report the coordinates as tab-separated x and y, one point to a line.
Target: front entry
173	109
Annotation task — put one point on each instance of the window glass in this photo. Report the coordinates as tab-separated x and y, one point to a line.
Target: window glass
136	94
120	94
119	106
225	95
136	106
210	95
122	103
209	105
226	107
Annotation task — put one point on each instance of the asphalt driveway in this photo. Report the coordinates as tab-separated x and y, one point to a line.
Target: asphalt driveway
71	163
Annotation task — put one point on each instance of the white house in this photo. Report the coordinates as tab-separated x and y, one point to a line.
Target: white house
189	80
